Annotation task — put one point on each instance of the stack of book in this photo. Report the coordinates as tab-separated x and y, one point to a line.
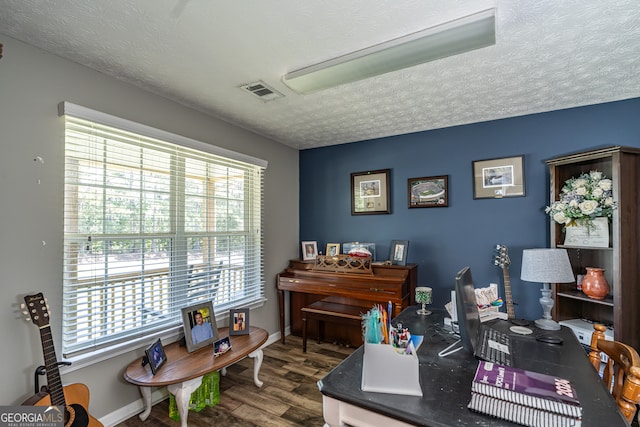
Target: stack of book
524	397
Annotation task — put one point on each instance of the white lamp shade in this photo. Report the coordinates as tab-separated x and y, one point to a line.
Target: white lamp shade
546	266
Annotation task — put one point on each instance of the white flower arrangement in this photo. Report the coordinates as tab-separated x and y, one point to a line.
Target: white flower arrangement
583	199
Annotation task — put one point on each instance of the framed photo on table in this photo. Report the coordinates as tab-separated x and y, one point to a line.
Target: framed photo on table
239	321
154	355
221	346
199	323
498	178
370	192
428	192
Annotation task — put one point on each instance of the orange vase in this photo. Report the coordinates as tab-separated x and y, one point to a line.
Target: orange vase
594	285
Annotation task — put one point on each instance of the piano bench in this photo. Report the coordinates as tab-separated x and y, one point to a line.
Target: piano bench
324	311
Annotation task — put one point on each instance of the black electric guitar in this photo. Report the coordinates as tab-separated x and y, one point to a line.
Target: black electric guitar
502	260
74	397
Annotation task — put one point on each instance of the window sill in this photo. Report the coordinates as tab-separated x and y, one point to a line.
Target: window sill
167	337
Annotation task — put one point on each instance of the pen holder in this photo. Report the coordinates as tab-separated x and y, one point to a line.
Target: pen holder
386	371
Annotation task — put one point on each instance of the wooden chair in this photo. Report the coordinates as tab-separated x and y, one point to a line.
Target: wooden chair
621	373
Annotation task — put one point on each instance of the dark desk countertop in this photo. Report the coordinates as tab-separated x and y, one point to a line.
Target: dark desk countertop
446	381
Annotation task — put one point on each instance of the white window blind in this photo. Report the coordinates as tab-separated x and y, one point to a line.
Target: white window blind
150	227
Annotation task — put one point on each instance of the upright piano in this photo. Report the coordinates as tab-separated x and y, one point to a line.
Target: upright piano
306	285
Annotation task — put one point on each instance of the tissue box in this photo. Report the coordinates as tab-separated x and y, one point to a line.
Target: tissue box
386	371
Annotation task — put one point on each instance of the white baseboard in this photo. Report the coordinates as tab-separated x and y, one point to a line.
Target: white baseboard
132	409
276	336
136	407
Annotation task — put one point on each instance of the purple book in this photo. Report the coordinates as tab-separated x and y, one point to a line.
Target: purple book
527	388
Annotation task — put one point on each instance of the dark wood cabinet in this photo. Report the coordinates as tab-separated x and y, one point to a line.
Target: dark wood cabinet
621	260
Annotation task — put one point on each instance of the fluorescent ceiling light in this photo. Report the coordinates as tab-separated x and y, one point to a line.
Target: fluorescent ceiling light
451	38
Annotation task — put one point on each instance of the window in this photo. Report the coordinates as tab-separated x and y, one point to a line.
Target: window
151	226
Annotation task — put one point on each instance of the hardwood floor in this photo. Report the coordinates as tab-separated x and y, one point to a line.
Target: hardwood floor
289	396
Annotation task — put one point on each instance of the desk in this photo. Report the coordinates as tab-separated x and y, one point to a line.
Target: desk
183	371
446	382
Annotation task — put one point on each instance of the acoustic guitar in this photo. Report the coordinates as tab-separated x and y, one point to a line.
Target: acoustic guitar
502	260
74	397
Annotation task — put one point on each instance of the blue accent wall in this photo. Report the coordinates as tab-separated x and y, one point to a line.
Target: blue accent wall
443	240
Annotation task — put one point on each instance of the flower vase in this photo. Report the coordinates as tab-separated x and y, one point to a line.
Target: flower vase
594	284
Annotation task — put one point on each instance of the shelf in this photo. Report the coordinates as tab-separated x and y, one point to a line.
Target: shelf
591	248
620	259
608	300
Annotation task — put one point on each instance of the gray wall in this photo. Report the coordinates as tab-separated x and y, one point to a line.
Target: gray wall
32	83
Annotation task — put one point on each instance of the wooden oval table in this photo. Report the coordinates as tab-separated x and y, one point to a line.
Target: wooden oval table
183	371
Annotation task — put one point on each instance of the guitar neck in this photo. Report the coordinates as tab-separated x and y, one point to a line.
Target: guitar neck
54	383
507	293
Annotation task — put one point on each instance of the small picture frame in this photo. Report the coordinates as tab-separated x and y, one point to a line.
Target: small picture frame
498	178
333	249
398	252
154	355
370	192
239	321
428	192
199	323
309	250
221	346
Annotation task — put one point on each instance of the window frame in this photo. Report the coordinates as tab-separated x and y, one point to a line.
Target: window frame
174	326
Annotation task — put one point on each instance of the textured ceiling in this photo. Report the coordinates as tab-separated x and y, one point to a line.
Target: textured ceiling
549	55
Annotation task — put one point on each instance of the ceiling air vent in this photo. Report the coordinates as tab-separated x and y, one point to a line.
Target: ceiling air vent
262	91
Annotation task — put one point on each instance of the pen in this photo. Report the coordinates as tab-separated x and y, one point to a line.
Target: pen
389	312
385	330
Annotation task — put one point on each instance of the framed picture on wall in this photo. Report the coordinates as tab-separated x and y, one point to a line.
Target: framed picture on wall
370	192
428	192
498	178
199	323
309	250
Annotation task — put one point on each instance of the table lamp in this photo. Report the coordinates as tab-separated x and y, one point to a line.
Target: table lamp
546	266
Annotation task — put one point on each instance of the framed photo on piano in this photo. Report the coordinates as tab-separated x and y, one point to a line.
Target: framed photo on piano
333	249
398	252
309	250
